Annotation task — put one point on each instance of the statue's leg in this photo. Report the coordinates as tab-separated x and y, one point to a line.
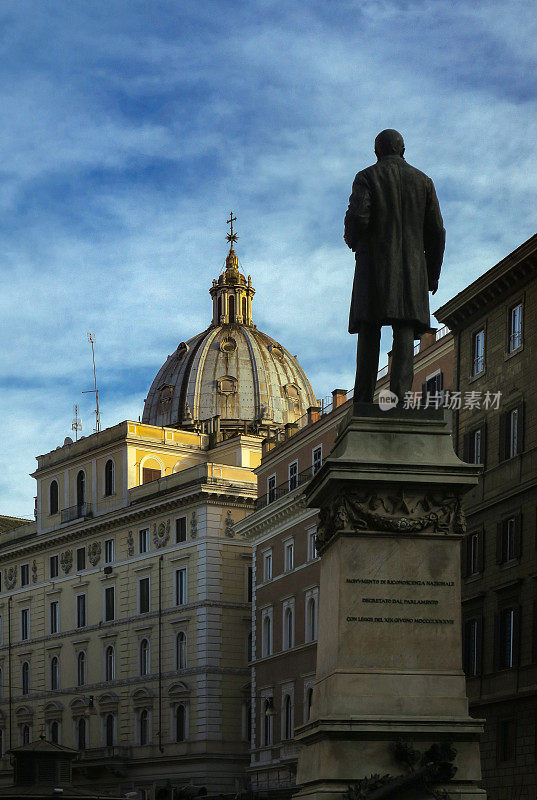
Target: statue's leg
367	362
402	370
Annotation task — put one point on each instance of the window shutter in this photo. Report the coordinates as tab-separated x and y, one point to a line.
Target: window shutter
465	547
499	543
479	653
466	448
534	632
520	431
497	643
503	436
516	635
481	551
518	535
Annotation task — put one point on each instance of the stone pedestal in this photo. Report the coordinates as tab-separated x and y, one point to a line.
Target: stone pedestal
389	661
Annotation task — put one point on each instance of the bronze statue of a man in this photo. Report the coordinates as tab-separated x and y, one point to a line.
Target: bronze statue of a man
394	226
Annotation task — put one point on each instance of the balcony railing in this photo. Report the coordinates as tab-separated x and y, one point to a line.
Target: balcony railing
80	511
100	753
284	488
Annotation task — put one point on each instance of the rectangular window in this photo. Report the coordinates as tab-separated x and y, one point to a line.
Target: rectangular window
54	616
506	739
508	540
432	390
474	446
293	475
507	638
317	459
478	352
471	647
25	623
53	567
267	566
180	530
515	328
25	574
109	551
180	586
143	595
81	611
271	489
1	642
473	554
511	432
250	584
80	558
289	556
109	603
312	546
143	540
512	435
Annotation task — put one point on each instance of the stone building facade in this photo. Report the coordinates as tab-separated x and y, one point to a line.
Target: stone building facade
494	323
286	570
125	608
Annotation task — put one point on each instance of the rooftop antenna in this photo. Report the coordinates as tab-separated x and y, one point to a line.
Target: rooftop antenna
95	391
76	424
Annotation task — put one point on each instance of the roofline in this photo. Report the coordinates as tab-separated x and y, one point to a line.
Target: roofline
520	264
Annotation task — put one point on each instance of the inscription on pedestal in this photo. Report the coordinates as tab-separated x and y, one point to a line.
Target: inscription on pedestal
402	602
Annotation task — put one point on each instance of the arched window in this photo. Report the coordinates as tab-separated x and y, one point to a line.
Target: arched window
81	668
81	733
267	636
309	701
180	723
25	734
144	726
144	657
219	309
287	717
55	732
25	672
55	674
231	305
109	477
268	715
181	650
53	498
81	488
244	309
110	663
312	619
109	726
288	632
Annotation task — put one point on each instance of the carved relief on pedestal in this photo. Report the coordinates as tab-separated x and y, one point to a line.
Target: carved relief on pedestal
395	511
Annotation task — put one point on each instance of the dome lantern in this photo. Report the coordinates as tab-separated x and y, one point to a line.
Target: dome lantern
232	293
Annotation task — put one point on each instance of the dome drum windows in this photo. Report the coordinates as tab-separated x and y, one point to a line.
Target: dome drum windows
54	499
109	478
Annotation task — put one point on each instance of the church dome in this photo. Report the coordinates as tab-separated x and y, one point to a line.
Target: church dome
231	371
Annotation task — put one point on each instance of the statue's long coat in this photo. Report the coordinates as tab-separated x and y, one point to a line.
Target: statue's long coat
395	227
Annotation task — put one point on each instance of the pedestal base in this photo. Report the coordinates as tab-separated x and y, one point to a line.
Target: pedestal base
389	661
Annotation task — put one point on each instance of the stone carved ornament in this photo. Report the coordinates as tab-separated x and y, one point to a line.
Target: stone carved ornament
404	512
10	577
194	525
228	525
130	544
161	534
94	553
34	571
66	560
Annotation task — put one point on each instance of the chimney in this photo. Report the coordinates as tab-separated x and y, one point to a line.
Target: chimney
290	429
339	396
314	414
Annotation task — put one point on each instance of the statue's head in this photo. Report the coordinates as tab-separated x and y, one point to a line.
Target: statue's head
389	143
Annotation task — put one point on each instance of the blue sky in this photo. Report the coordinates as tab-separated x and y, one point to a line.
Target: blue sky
130	129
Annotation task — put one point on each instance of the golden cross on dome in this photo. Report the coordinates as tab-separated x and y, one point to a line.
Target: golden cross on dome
231	237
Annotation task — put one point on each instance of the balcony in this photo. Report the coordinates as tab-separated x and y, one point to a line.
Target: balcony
80	511
284	488
117	753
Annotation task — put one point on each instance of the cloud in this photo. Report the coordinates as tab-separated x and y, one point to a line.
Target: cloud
130	130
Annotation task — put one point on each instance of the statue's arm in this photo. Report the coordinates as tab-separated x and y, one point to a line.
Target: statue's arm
357	216
434	238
